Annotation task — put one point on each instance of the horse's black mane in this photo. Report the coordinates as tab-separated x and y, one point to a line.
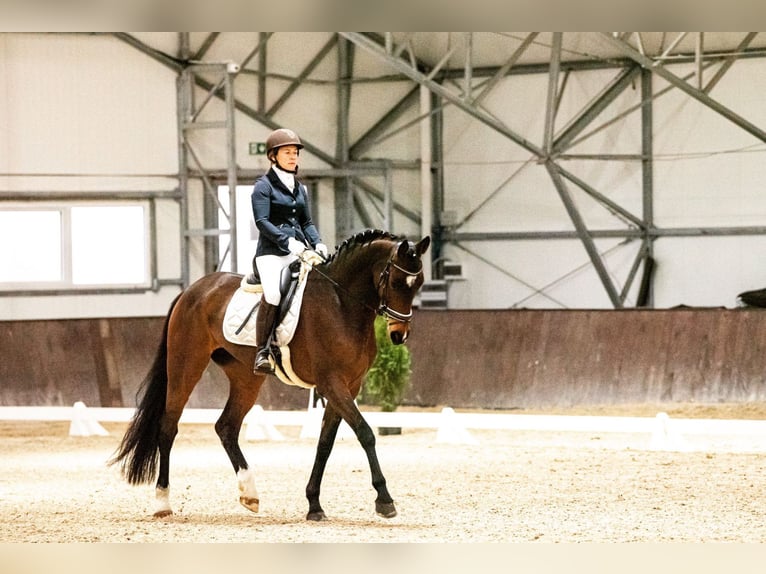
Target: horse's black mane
362	238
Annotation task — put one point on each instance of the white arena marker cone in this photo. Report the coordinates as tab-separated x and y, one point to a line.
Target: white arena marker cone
313	422
451	431
665	437
258	429
83	423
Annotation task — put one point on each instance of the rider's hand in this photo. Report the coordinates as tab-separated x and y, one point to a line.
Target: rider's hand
321	248
295	247
311	257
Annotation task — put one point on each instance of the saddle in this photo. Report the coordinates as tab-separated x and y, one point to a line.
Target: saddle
288	282
239	327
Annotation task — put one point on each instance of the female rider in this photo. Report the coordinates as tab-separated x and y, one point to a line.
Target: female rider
283	217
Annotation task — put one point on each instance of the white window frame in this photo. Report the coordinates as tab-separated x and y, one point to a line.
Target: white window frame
66	282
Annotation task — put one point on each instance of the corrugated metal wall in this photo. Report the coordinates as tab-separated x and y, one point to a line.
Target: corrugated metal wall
476	358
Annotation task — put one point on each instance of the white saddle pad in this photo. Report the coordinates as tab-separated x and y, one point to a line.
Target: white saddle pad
236	319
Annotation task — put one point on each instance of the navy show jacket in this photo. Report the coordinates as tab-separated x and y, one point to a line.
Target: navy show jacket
280	214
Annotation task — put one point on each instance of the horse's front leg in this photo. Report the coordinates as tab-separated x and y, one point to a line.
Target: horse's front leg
384	504
243	391
341	405
330	423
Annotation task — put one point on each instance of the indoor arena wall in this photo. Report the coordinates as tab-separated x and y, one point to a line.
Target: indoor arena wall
499	359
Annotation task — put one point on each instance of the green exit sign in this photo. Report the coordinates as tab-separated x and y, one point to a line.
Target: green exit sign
257	148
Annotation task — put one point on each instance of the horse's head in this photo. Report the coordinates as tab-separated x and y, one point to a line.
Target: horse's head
399	283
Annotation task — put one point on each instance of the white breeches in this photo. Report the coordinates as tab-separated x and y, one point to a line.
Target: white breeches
270	268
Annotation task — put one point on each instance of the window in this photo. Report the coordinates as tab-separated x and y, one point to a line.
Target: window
247	233
74	246
31	246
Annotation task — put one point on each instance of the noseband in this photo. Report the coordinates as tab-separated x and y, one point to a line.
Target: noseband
383	308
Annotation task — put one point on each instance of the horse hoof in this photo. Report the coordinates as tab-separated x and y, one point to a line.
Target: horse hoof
163	513
250	503
316	516
385	509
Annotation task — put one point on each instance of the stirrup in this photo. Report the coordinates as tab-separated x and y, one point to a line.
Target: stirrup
262	362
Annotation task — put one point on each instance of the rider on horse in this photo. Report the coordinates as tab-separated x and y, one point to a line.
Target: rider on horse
282	215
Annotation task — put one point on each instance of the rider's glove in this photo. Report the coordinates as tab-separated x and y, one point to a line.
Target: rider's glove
321	248
295	247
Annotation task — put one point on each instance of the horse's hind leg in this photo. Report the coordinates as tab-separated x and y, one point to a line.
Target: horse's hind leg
243	391
184	371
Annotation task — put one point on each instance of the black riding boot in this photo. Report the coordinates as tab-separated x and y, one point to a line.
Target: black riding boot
265	324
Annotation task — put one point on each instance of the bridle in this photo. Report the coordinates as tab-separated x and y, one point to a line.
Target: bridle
384	310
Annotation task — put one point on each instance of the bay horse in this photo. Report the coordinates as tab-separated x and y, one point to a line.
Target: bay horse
372	272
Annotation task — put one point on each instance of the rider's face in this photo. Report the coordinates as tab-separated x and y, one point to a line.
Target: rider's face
287	156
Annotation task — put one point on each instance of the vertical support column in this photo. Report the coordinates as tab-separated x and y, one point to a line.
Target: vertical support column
183	113
262	36
646	296
231	164
388	199
437	180
344	202
426	181
468	76
553	84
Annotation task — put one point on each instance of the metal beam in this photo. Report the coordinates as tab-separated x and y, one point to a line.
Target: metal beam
729	62
629	233
503	70
380	196
369	137
59	195
483	258
178	66
161	57
555	171
630	110
553	84
420	78
344	199
468	67
601	198
305	73
695	93
205	46
647	172
595	107
584	234
640	256
417	76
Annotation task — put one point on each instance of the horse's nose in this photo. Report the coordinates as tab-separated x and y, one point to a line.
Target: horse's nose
398	333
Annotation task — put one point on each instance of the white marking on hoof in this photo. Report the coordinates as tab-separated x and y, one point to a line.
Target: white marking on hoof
162	502
248	494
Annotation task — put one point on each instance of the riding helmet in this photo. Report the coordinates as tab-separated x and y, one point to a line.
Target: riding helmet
282	137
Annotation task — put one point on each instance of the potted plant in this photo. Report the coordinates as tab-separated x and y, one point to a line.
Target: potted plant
389	375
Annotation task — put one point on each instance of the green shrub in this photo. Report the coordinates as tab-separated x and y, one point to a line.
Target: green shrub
389	375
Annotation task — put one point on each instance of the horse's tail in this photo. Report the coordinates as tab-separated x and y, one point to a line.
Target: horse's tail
139	450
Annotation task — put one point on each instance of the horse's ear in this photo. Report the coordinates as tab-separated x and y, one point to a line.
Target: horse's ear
422	245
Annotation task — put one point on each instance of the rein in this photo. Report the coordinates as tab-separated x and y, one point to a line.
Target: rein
383	309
